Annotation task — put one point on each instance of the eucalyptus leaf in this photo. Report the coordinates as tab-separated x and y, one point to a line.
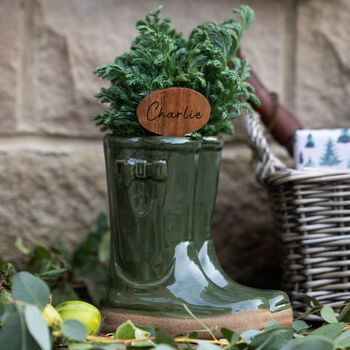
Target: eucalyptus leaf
312	302
164	338
128	330
250	334
74	330
270	325
14	333
163	347
328	314
273	339
289	345
8	310
83	346
344	315
202	345
330	331
231	336
88	346
150	330
313	343
30	289
343	339
125	331
37	327
300	325
2	309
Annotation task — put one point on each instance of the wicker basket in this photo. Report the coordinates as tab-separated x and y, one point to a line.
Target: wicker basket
312	209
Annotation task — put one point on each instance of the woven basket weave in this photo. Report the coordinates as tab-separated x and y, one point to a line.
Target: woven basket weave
312	212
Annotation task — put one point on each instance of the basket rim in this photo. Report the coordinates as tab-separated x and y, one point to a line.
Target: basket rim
283	175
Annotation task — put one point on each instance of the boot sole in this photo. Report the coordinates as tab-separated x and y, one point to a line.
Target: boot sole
238	322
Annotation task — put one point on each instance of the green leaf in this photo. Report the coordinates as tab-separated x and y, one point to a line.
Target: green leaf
83	346
163	347
54	273
20	246
202	345
5	296
231	336
270	325
289	345
14	334
63	293
125	331
9	309
300	325
312	302
150	330
273	339
104	247
37	327
7	270
2	309
329	331
250	334
74	329
164	338
95	274
30	289
192	335
88	346
345	312
313	343
328	314
128	330
343	339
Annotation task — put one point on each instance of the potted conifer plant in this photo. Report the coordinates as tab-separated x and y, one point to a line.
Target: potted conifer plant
162	189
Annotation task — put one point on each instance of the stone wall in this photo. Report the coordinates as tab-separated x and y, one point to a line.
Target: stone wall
52	177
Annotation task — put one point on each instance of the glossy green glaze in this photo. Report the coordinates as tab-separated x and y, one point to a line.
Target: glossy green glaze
161	196
205	201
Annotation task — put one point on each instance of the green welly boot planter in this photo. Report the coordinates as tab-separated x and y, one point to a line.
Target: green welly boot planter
162	193
205	200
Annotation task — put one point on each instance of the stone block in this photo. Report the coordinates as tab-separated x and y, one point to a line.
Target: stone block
9	63
323	67
49	194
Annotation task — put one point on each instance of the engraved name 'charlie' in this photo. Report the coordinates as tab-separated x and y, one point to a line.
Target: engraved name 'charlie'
155	112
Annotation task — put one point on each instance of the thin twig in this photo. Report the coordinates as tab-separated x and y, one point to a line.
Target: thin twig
200	322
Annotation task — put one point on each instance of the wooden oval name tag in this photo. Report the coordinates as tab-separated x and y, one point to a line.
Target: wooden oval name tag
173	111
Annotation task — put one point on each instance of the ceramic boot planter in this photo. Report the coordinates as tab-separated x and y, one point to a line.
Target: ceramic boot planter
162	193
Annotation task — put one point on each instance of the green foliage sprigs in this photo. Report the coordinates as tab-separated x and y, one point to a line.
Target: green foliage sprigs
82	274
160	58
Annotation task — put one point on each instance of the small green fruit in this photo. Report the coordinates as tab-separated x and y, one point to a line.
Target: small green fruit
51	316
86	313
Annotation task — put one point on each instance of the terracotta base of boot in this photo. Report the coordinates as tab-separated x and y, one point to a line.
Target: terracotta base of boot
176	326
